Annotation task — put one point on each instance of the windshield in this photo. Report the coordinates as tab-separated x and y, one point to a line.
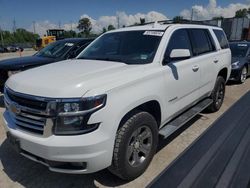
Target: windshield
55	49
239	50
130	47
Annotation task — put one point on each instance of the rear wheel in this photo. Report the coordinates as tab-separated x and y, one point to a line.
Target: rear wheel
135	146
217	95
243	75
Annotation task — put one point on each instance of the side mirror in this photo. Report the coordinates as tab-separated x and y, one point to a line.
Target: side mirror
180	54
177	54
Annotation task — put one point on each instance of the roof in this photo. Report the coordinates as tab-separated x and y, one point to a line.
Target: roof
162	26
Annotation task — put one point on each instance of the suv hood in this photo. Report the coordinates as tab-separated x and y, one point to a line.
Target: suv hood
72	78
23	62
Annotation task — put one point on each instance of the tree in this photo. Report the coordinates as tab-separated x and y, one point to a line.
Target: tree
142	21
104	30
218	18
178	19
242	13
21	36
111	27
84	25
70	34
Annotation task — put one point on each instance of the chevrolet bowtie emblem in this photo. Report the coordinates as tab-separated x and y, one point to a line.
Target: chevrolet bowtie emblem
15	108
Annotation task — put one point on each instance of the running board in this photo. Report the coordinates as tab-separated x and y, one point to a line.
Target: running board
181	120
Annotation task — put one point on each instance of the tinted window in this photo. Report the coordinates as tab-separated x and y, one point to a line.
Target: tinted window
179	40
56	49
131	47
221	38
201	41
239	50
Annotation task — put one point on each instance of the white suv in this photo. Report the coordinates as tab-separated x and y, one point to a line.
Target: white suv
108	107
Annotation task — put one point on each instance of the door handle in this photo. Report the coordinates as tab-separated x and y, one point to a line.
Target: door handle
216	61
195	68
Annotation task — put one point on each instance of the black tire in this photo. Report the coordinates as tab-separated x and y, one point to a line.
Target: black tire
243	75
217	95
123	164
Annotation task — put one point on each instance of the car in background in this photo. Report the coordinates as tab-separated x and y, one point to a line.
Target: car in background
3	49
11	48
240	61
57	51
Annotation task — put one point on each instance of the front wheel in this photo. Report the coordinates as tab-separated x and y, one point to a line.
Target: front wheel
243	75
135	145
217	95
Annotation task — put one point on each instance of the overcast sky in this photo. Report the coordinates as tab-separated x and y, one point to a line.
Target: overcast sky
66	13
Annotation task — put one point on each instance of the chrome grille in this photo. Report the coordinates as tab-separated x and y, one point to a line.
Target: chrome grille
26	118
30	124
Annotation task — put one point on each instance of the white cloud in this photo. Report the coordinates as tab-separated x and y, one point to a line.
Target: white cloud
124	19
213	10
103	21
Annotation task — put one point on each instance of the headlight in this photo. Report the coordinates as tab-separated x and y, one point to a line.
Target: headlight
235	65
10	73
73	115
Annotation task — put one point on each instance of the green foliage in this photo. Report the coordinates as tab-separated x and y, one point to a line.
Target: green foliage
20	36
69	34
142	21
111	27
104	30
178	19
218	18
84	26
242	13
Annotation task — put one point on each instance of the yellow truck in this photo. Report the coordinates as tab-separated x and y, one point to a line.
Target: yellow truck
52	36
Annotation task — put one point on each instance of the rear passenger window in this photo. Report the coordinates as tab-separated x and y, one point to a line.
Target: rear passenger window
178	40
221	38
201	41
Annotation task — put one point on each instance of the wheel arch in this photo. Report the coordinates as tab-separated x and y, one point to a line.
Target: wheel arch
153	107
223	73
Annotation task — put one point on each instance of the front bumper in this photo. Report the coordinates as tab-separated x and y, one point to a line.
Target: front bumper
93	150
235	74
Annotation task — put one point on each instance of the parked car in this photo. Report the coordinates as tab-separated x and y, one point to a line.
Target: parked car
108	107
19	48
11	48
240	61
3	49
57	51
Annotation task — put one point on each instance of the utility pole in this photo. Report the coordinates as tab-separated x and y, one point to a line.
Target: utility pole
34	27
59	24
14	25
71	28
192	14
118	22
1	32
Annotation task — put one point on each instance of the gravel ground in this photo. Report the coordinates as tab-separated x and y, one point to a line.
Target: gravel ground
17	171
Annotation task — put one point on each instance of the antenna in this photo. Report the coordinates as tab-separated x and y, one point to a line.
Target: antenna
34	27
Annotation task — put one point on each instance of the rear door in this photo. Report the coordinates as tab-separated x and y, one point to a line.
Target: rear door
204	52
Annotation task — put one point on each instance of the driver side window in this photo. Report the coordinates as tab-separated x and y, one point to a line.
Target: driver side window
179	40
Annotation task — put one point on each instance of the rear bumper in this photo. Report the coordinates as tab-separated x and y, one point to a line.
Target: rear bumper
66	154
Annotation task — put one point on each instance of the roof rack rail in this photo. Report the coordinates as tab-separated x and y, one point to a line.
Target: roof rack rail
183	21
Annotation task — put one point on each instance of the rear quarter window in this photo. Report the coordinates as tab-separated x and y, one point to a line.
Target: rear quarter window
220	35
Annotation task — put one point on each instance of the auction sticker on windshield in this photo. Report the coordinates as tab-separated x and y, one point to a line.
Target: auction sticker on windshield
154	33
69	44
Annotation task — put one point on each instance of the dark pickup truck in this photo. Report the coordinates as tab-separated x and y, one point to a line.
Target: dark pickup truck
57	51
